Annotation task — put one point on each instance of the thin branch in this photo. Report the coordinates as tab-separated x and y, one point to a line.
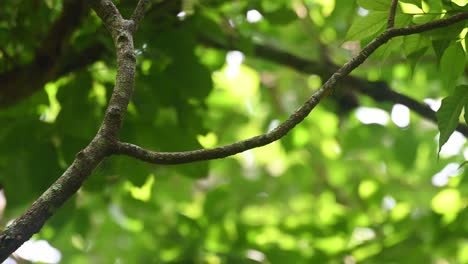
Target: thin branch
379	91
439	23
391	16
297	117
108	13
139	12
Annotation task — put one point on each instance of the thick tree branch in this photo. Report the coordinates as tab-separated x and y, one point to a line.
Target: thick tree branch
87	159
297	117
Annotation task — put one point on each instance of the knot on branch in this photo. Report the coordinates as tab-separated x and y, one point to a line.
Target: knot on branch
130	54
80	154
114	111
130	25
122	39
6	238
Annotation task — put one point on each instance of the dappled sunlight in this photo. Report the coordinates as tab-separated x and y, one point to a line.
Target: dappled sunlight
453	146
209	140
238	84
368	115
253	16
442	177
39	251
330	148
50	113
142	193
234	60
255	255
255	215
434	104
363	12
362	234
181	15
448	203
126	222
388	203
194	208
367	188
400	115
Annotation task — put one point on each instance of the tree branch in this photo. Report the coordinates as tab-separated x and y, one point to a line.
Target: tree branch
87	159
105	142
391	17
297	117
139	12
379	91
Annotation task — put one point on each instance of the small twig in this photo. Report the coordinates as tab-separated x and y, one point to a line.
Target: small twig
391	17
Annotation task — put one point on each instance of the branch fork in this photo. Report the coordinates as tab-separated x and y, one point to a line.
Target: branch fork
106	142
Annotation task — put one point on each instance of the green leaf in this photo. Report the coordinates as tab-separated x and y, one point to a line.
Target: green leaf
414	57
460	2
466	44
449	113
367	26
466	107
452	65
207	25
447	202
392	46
405	148
378	5
414	43
402	20
414	2
439	47
447	33
281	16
432	6
424	18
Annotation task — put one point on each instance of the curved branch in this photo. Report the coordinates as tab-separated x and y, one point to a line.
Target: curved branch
297	117
379	91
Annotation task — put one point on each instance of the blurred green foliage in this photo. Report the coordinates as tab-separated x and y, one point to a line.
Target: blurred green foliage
334	190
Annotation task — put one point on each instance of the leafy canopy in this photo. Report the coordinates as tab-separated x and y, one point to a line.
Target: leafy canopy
354	182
